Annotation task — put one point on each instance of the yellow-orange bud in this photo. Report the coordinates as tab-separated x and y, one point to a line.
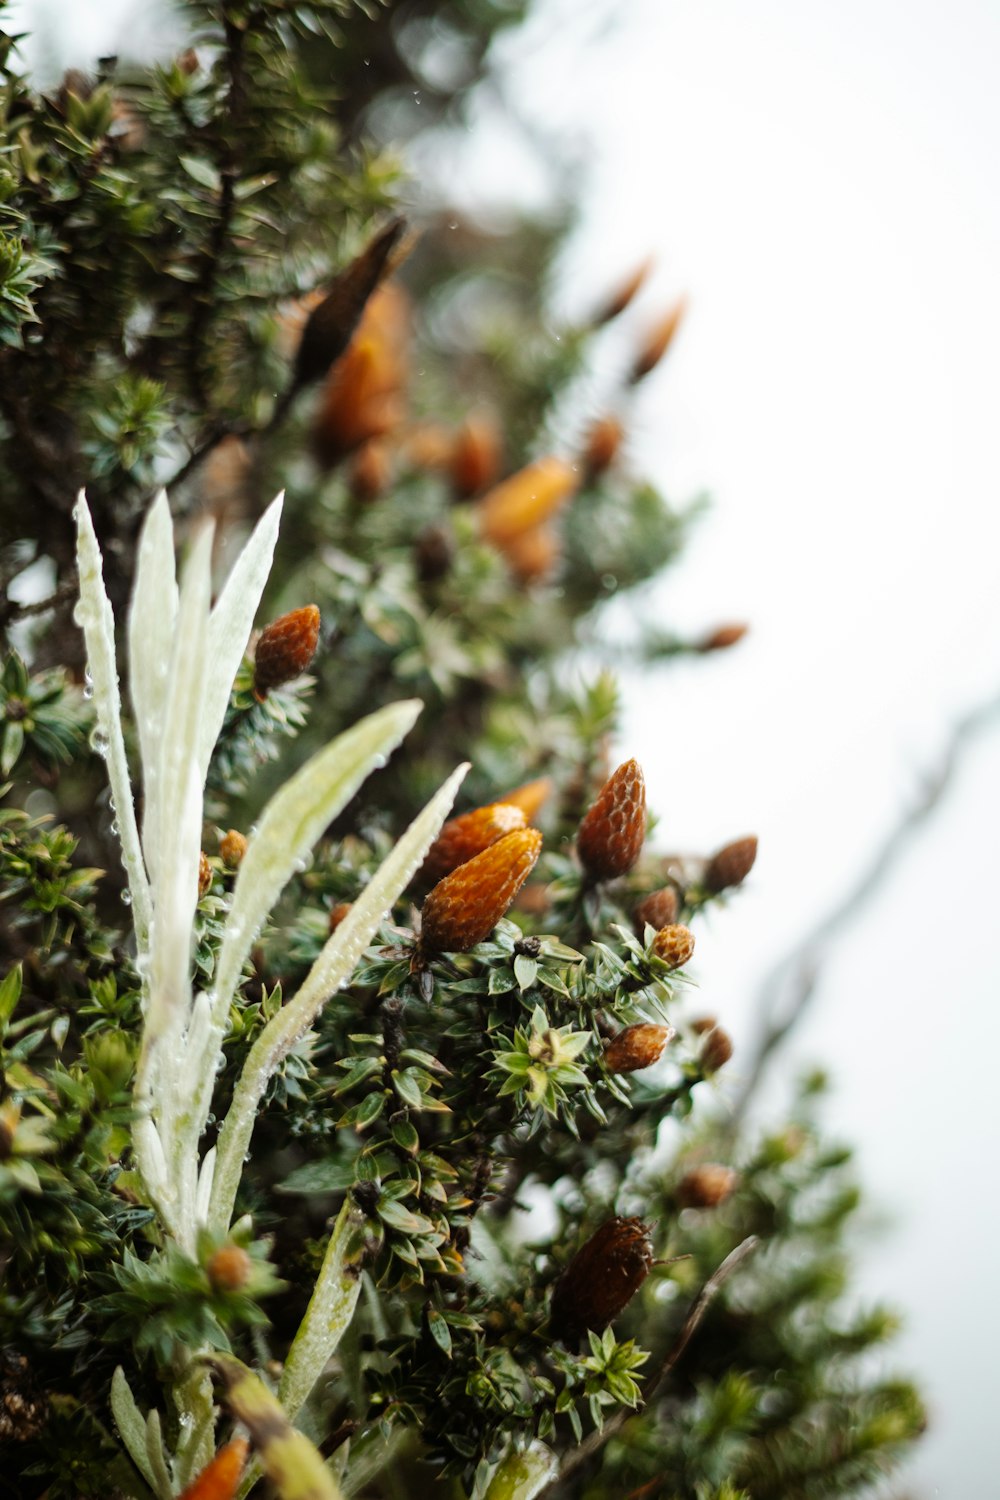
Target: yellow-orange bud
476	455
533	495
232	847
674	945
531	797
706	1186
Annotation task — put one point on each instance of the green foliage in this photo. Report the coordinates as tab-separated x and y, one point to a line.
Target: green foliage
161	232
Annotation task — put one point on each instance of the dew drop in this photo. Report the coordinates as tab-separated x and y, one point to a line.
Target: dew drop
99	742
126	897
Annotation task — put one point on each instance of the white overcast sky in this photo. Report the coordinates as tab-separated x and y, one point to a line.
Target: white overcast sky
820	176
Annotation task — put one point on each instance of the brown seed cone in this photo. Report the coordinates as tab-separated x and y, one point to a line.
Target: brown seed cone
466	905
610	837
332	322
601	445
370	472
204	874
363	396
716	1049
531	797
601	1279
285	649
533	495
232	847
624	293
638	1046
731	865
338	913
658	909
476	455
220	1478
674	945
658	341
723	636
706	1186
462	838
228	1268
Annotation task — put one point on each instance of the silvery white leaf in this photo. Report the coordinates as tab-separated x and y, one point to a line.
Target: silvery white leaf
131	1424
94	614
152	617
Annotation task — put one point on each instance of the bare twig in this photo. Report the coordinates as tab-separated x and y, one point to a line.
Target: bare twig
787	990
596	1441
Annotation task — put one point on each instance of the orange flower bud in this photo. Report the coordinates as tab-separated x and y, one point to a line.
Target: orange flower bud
658	909
370	471
219	1479
601	1279
658	341
462	838
731	865
285	649
610	837
476	455
533	495
722	637
716	1049
636	1047
338	913
624	293
674	945
534	554
232	847
531	797
706	1186
228	1268
363	394
204	875
466	905
603	440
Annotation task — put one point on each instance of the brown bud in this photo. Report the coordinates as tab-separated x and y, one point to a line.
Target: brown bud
533	555
462	838
531	797
731	865
706	1186
285	649
611	834
716	1049
370	472
204	875
624	293
338	913
232	847
636	1047
428	445
188	62
363	397
476	455
601	1279
701	1024
466	905
434	553
519	504
674	945
722	637
228	1268
658	909
601	445
658	341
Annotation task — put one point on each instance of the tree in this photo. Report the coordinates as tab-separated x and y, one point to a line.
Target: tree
267	1129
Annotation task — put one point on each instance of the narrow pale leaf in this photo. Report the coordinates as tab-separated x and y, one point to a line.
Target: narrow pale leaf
333	968
521	1476
131	1425
330	1309
95	616
230	625
151	621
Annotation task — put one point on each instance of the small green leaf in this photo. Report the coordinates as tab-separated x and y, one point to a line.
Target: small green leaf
525	971
440	1332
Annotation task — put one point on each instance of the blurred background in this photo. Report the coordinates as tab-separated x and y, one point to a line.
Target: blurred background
819	180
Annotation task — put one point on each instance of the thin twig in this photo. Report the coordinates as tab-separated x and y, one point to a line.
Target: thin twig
798	973
596	1441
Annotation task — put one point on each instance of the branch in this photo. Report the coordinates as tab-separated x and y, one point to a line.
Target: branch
798	972
597	1440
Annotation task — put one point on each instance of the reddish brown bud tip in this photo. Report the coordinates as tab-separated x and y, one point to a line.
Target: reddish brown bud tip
476	455
601	445
636	1047
462	838
338	913
624	293
722	637
716	1049
466	905
228	1268
658	341
706	1186
219	1479
701	1024
232	847
674	945
531	797
204	874
601	1279
610	837
285	649
731	865
658	909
